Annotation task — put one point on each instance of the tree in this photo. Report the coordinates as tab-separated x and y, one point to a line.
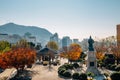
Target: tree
22	43
31	44
18	58
3	62
38	46
52	45
115	76
64	52
4	46
74	51
116	53
100	55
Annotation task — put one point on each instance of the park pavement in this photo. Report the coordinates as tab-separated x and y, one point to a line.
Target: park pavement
7	73
46	73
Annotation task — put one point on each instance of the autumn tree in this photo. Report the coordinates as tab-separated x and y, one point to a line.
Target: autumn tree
116	53
74	51
64	52
100	53
52	45
18	58
101	49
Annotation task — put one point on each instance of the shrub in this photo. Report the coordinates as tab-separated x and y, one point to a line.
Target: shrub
66	66
106	74
90	74
112	67
61	67
108	66
83	76
70	66
67	74
115	76
75	65
61	71
117	68
75	76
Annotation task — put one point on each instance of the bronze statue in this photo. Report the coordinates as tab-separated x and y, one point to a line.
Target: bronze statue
90	41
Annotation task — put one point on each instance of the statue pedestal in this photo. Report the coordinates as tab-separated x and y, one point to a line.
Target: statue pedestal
92	63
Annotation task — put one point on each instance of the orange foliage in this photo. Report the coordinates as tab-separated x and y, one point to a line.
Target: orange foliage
74	51
100	52
100	55
18	58
116	52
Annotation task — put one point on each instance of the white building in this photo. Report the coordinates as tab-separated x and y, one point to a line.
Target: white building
10	38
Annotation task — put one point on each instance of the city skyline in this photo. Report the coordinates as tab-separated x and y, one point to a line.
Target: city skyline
74	18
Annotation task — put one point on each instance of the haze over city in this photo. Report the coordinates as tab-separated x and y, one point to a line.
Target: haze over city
74	18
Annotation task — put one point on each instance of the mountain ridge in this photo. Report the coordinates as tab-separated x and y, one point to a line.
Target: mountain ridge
42	34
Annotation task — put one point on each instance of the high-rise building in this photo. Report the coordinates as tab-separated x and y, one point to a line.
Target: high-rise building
66	41
54	38
76	41
118	35
84	44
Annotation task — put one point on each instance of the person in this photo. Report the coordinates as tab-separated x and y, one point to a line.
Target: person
91	41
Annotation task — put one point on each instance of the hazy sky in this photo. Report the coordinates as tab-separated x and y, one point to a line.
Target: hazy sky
74	18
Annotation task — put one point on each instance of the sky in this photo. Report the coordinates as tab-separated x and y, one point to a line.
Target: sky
74	18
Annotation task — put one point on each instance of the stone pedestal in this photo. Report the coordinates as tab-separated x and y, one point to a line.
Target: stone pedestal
92	63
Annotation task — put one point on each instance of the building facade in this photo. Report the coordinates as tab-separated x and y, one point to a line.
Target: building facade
66	41
118	35
55	38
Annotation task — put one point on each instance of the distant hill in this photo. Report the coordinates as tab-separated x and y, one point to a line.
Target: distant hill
41	34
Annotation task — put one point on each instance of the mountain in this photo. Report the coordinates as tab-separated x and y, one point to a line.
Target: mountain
41	34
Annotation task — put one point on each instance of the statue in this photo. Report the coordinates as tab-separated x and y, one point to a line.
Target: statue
90	41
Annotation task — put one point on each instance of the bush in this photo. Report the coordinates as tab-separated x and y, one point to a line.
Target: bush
108	66
67	74
75	76
61	67
115	76
117	68
113	67
70	66
61	71
76	65
83	76
106	74
90	74
66	66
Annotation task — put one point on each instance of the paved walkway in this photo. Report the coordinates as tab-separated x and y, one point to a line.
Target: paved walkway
6	73
41	72
99	77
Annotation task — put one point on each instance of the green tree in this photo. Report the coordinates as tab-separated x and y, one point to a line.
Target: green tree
4	46
22	43
52	45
